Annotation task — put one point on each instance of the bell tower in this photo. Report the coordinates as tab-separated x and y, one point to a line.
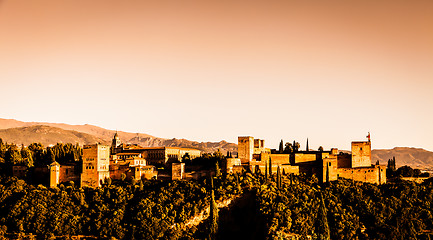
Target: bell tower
115	143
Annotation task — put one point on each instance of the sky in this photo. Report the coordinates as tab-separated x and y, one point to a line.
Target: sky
329	71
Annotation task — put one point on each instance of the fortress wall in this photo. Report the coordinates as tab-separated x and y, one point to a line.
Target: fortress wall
288	169
376	174
305	157
229	163
68	173
279	159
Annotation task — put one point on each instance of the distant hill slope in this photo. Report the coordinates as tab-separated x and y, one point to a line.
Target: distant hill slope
414	157
99	132
100	135
46	135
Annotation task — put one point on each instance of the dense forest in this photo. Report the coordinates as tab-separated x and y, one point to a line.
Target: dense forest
37	155
291	206
120	210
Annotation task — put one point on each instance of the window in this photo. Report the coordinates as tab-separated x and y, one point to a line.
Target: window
361	149
329	164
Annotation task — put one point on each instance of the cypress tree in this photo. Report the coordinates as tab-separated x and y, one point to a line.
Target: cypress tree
278	177
281	146
327	173
291	179
322	227
141	185
270	167
238	185
213	215
266	170
217	169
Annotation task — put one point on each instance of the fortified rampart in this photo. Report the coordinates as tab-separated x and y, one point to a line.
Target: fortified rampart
375	174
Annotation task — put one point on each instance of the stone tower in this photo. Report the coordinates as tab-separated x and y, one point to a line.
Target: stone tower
361	154
115	143
54	169
96	161
245	149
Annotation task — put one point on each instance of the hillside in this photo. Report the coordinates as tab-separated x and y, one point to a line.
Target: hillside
11	128
414	157
46	135
99	132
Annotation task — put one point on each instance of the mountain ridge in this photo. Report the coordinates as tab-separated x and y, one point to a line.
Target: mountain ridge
19	132
101	135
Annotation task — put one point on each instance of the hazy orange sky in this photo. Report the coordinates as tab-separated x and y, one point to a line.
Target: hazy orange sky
213	70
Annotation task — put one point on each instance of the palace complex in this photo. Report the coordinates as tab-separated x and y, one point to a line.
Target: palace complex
130	161
118	161
326	165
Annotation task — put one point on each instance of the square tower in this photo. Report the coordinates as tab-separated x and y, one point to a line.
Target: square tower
54	174
361	154
96	161
245	149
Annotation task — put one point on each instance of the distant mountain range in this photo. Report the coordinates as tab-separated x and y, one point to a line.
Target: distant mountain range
414	157
18	132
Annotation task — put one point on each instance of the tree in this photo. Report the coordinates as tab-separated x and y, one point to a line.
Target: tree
27	157
270	167
217	169
281	149
186	159
288	148
238	184
320	149
266	170
13	156
213	215
327	172
296	146
278	177
405	171
322	226
291	179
